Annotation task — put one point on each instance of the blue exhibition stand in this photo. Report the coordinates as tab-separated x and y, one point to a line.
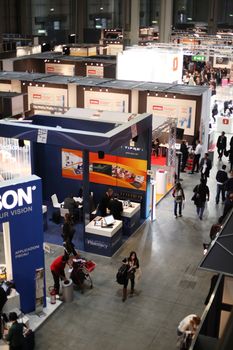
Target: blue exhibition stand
21	211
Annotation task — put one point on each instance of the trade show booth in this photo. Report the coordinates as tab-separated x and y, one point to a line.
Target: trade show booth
55	94
20	210
93	150
60	64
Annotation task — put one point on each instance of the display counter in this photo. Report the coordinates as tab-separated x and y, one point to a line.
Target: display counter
103	240
131	218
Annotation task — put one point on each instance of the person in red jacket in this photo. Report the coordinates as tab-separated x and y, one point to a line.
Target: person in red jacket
58	270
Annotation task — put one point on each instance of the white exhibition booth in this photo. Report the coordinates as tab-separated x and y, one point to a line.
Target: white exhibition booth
150	64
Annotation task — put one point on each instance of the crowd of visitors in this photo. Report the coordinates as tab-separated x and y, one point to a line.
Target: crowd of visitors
202	73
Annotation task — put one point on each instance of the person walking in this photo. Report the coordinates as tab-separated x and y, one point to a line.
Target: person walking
132	263
185	154
15	335
68	234
214	111
58	271
201	194
178	194
221	145
230	152
205	166
221	178
197	156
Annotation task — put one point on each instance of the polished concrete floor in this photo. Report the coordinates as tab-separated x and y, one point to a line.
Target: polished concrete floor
171	286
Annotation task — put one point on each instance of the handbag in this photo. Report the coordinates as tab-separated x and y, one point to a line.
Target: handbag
138	275
226	153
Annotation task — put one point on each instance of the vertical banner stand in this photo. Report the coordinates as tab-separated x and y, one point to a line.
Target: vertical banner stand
39	281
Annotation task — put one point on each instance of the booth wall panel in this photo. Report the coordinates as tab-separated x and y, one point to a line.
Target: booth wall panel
30	65
80	97
80	69
110	71
197	99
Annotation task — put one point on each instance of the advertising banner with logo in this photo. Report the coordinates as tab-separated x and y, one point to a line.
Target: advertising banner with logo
106	101
21	216
112	170
95	71
47	96
60	69
156	65
183	110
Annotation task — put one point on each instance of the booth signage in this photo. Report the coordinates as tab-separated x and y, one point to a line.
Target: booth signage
198	58
21	216
225	121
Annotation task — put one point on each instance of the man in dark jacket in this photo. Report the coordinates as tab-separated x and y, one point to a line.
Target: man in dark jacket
221	178
221	145
104	203
205	166
185	154
116	208
229	186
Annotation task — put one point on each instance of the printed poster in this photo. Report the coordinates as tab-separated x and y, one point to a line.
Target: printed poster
111	171
59	69
47	96
183	110
106	101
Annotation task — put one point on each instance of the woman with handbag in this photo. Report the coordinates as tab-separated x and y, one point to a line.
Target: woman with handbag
201	195
178	194
132	263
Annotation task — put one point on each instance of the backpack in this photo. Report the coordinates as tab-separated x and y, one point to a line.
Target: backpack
121	275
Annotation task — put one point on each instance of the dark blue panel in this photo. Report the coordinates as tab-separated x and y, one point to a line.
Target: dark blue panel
75	124
21	206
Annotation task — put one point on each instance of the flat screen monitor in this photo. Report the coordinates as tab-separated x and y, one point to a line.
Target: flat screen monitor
109	220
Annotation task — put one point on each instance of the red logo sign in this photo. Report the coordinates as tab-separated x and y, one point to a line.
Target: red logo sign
91	71
225	121
157	108
94	102
50	69
37	96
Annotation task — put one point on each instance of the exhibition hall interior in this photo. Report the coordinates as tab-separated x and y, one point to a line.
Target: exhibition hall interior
116	174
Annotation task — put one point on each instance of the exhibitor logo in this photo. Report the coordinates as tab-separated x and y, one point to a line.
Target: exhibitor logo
16	198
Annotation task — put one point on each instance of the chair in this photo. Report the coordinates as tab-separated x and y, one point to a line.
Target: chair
64	211
55	202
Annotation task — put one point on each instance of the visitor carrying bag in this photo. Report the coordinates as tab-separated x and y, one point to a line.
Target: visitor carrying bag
122	274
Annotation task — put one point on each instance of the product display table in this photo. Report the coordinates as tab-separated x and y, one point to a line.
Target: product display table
103	240
131	218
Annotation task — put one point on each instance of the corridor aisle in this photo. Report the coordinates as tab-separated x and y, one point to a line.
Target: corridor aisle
171	287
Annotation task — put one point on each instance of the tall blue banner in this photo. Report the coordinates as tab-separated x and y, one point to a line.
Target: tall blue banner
21	212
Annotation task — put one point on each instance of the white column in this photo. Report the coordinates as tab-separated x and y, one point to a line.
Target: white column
7	250
165	20
134	28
